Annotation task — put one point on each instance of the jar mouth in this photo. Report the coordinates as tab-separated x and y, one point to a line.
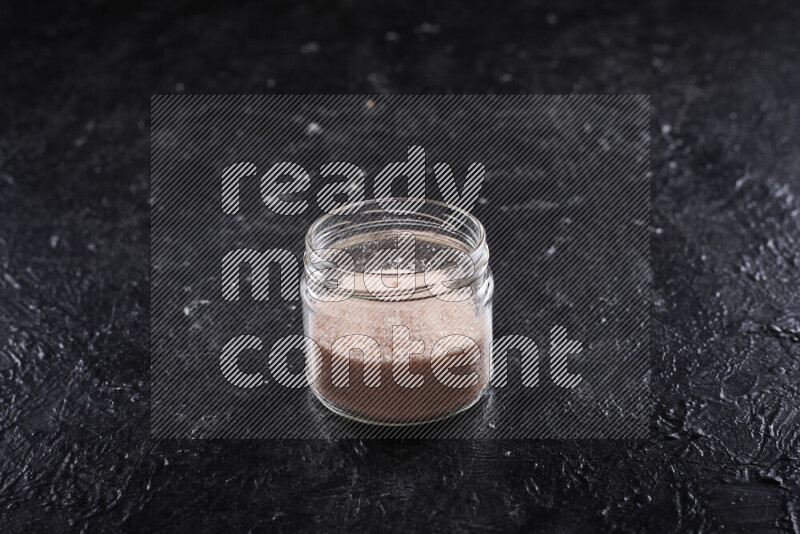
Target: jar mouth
474	233
369	223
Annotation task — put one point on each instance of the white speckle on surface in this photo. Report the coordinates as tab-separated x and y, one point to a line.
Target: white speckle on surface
271	83
54	239
482	201
665	129
551	18
10	279
550	251
313	129
506	77
378	80
784	193
189	309
311	47
428	28
392	37
180	87
741	181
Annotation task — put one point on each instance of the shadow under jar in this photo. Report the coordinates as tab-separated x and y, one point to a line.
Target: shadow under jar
398	299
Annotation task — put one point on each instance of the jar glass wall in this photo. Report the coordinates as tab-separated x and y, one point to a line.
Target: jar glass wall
398	300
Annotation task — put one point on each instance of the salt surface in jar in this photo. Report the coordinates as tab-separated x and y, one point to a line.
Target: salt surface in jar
398	301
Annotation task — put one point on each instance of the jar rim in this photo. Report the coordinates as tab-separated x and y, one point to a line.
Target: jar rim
347	209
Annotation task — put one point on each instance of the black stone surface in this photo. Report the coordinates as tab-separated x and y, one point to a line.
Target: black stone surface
75	84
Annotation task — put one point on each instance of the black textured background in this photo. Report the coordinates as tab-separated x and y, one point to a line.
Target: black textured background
75	86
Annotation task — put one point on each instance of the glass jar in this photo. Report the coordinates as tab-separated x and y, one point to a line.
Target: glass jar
398	298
